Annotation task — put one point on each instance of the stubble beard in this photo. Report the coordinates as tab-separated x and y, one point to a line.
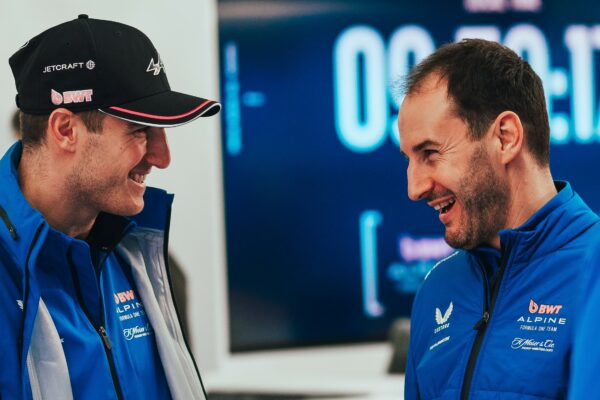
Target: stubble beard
484	197
89	189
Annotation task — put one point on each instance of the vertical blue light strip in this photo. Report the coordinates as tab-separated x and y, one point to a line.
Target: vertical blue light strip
233	114
369	220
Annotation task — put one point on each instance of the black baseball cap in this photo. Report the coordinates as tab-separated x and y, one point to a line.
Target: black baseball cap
88	64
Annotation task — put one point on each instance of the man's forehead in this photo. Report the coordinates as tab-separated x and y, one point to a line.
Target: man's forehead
434	86
427	122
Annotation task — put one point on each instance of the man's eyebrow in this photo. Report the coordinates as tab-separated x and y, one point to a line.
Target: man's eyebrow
134	126
418	147
425	143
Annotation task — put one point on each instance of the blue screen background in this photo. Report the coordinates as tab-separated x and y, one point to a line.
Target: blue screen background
323	244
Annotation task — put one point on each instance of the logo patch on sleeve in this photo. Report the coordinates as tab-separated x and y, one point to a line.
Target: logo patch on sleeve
442	320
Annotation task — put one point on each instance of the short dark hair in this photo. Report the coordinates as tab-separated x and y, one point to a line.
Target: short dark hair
33	127
15	123
484	79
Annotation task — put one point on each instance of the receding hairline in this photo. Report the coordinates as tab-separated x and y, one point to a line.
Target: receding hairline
418	87
434	80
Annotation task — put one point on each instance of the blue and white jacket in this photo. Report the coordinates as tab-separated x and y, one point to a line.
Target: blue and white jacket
489	324
85	321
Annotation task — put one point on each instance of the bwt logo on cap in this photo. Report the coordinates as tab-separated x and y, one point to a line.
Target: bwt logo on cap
73	96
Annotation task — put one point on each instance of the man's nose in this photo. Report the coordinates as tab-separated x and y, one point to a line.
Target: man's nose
157	148
420	183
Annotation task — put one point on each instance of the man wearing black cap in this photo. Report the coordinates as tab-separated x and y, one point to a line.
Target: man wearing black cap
87	306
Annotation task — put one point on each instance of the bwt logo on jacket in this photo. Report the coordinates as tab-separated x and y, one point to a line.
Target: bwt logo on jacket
122	297
535	308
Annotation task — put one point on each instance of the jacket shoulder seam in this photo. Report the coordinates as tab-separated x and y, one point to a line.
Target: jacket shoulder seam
441	262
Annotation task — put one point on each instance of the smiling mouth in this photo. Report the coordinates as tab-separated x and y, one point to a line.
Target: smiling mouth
138	178
444	207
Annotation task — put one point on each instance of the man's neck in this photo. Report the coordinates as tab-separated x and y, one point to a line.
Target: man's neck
47	192
531	187
529	193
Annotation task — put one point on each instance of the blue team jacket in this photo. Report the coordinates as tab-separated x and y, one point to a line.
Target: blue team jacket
585	363
489	324
73	330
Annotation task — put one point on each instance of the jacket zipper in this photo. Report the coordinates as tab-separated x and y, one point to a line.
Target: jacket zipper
481	325
111	362
11	228
99	328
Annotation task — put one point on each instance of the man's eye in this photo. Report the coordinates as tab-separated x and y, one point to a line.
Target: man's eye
428	153
141	132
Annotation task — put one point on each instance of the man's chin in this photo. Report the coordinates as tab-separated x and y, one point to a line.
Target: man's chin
461	240
136	210
129	210
457	241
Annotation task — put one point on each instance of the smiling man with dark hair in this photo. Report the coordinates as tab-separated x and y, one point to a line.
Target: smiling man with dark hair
87	303
494	320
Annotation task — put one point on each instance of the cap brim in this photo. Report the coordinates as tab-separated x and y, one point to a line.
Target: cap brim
166	109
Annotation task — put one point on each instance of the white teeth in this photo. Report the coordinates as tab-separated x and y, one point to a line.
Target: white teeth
139	178
444	204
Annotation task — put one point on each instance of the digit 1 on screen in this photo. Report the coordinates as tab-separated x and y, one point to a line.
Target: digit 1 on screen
581	42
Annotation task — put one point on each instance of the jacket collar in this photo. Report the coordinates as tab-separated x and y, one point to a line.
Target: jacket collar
556	223
25	220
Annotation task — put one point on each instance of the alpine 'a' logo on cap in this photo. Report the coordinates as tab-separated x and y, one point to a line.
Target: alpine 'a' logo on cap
73	96
155	67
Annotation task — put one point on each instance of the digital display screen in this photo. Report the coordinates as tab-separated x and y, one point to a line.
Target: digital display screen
323	244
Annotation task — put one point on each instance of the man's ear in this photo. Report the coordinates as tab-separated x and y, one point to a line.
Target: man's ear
508	136
63	129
